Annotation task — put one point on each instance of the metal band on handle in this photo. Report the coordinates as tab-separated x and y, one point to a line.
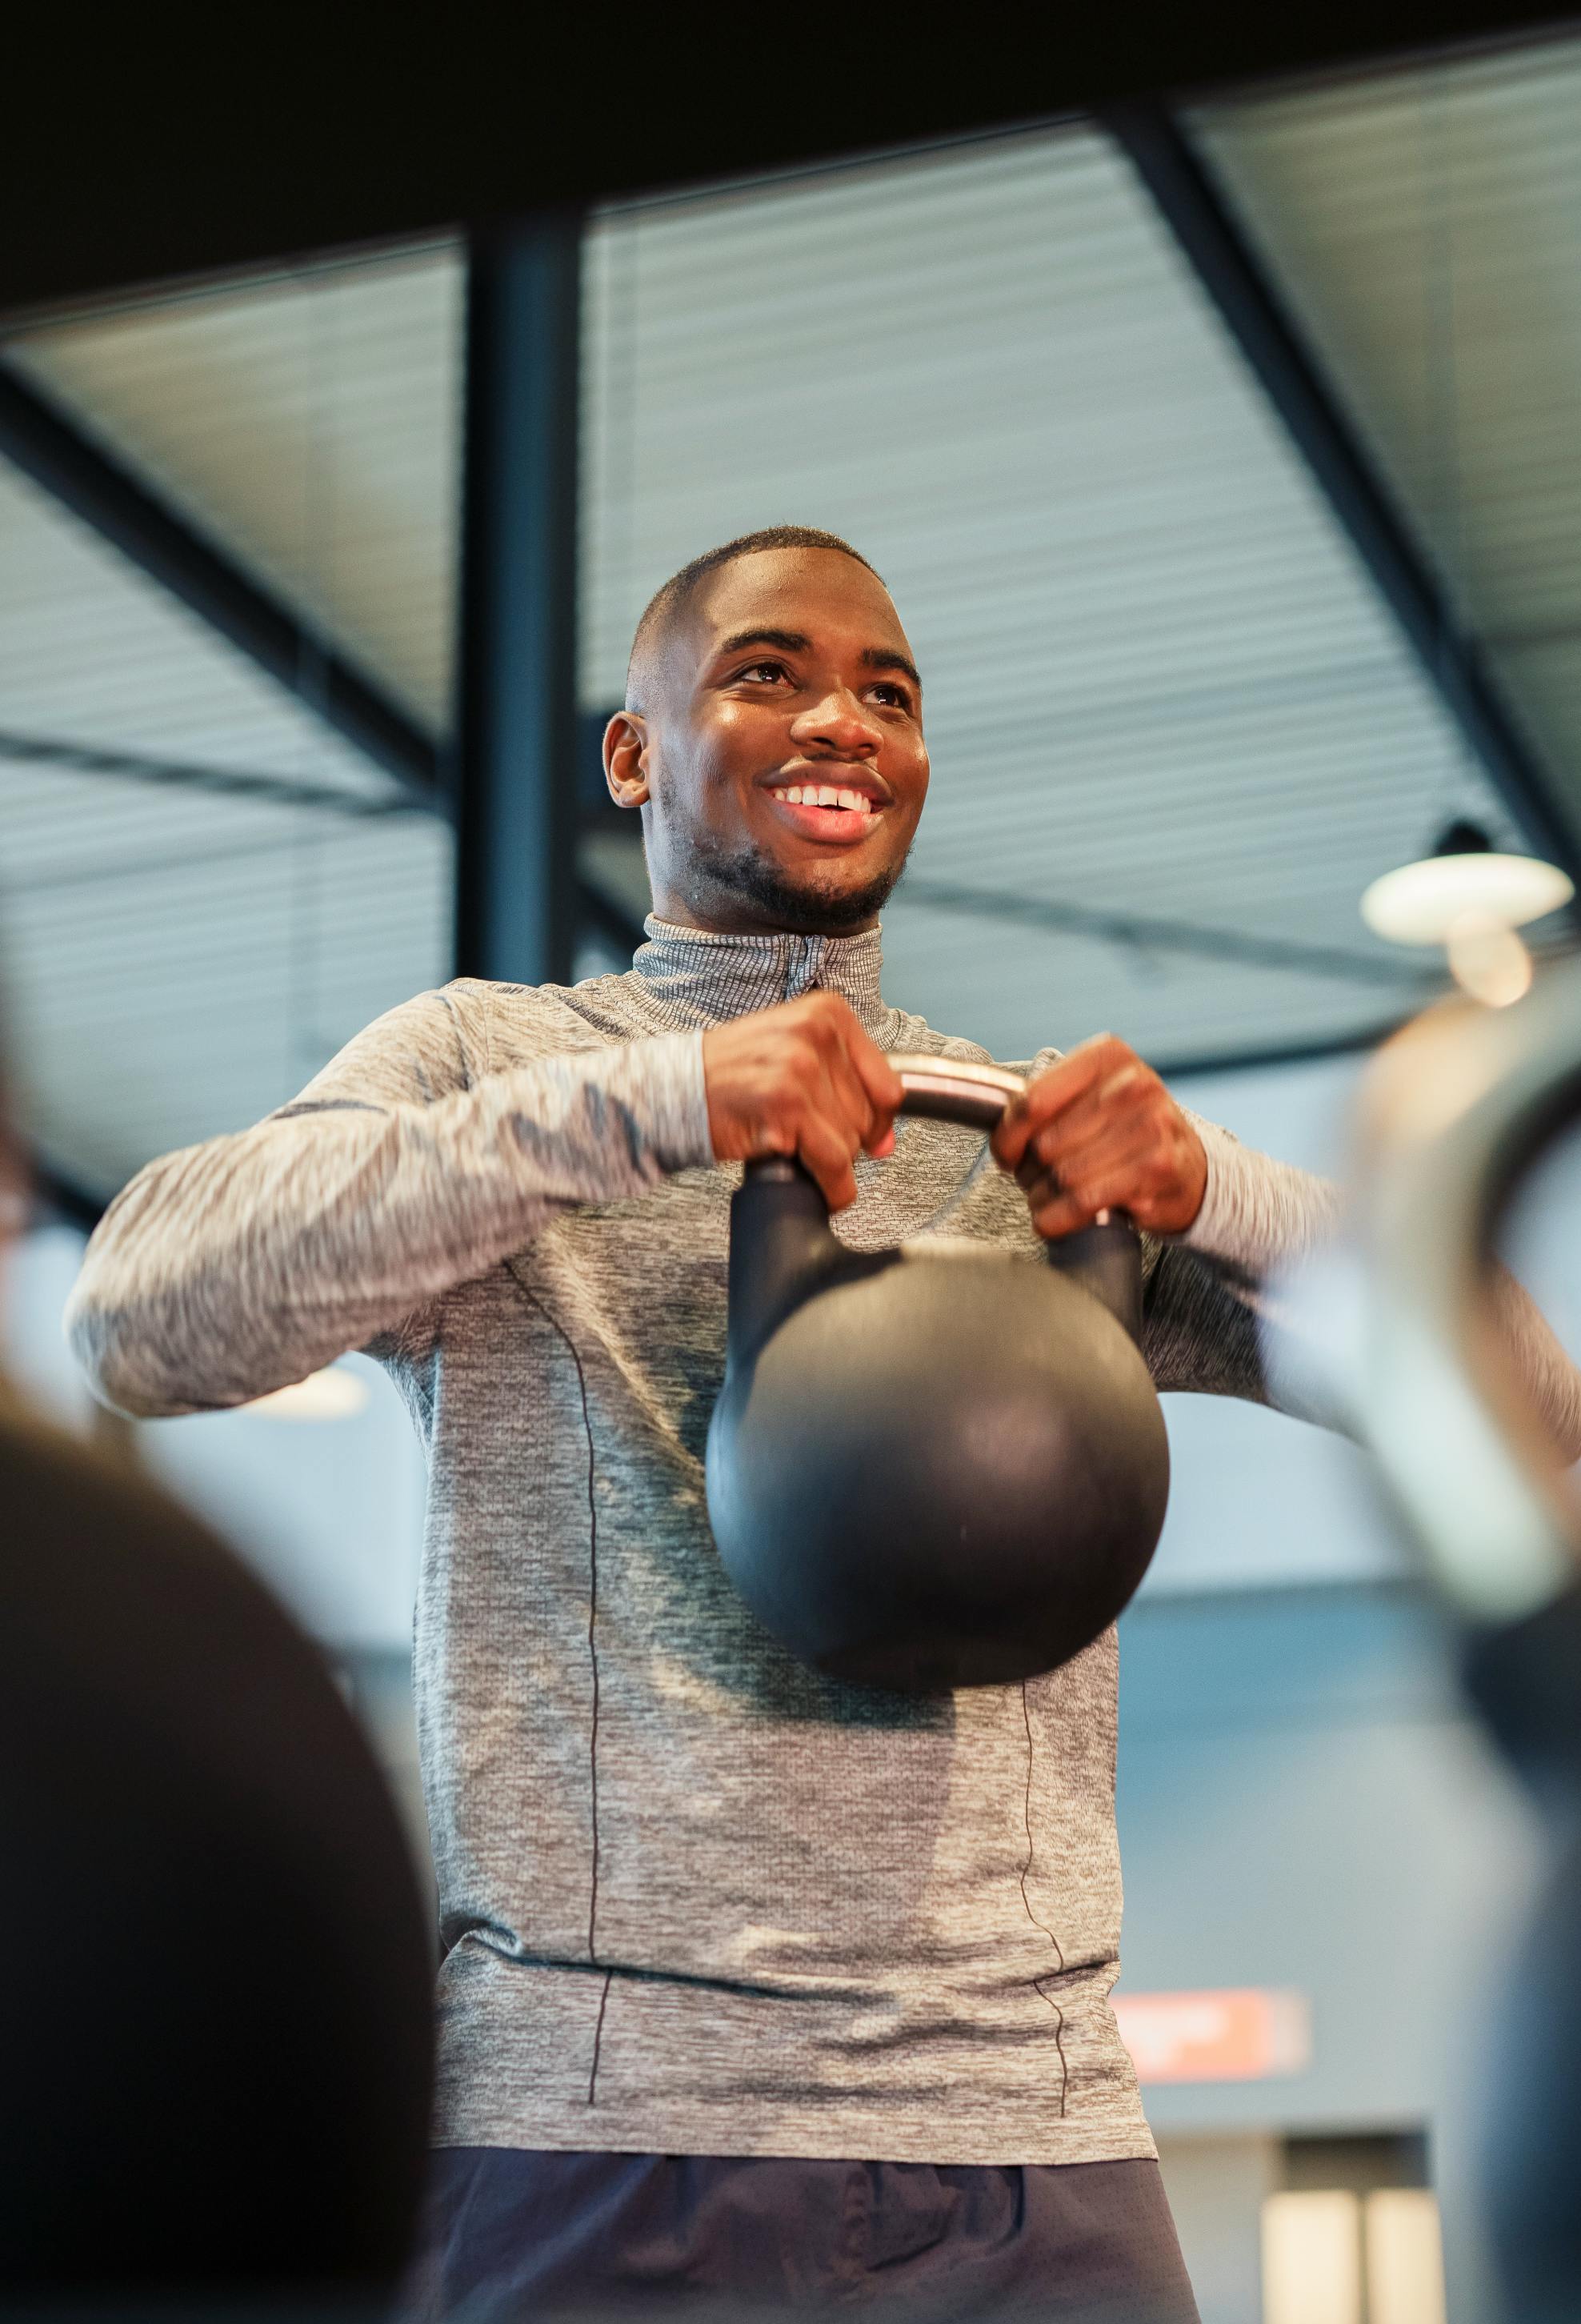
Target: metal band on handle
937	1089
940	1089
954	1089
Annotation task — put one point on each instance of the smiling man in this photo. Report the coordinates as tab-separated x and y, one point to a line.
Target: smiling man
754	1984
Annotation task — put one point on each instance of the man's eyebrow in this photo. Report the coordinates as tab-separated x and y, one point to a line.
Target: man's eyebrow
787	641
797	641
886	658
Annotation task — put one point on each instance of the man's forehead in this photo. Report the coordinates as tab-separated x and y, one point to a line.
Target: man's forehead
817	594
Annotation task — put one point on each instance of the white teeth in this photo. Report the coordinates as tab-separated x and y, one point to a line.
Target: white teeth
824	795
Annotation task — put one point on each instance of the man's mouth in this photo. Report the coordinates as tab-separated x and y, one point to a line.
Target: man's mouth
827	811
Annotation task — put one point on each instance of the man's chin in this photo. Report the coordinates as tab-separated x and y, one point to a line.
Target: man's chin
812	903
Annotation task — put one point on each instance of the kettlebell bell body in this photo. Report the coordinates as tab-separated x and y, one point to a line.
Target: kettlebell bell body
927	1471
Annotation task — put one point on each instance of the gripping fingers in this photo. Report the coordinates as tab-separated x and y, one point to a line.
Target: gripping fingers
866	1088
1117	1172
1088	1078
884	1088
1060	1215
829	1153
849	1101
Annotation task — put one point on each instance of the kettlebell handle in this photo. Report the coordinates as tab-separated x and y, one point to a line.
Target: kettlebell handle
937	1089
954	1089
1105	1258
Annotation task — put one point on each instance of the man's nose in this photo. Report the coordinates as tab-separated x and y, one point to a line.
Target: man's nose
838	724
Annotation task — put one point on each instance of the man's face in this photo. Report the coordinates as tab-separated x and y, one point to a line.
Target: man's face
779	757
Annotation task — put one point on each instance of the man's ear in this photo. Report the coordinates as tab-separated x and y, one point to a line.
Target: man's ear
625	756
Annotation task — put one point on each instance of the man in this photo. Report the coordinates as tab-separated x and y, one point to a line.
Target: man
755	1983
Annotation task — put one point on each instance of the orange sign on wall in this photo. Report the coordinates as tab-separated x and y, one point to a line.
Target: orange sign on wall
1243	2035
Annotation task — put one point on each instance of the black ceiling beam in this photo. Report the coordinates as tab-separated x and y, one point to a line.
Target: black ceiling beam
262	147
1355	1043
47	445
594	906
1199	217
1146	932
55	1194
517	719
607	918
223	782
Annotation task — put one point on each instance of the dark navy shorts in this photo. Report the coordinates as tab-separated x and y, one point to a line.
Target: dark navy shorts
513	2234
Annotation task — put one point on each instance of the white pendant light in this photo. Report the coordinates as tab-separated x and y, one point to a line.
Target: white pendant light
1464	885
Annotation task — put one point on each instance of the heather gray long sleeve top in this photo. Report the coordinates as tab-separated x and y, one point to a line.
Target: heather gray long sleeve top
694	1898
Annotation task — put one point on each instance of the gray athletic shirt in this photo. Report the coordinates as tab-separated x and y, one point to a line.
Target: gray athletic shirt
694	1898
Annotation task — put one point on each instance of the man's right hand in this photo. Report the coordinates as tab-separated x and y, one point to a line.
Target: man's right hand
801	1079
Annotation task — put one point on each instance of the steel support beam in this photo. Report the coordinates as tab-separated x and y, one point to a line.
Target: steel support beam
1208	231
607	919
127	172
46	444
55	1194
1153	932
515	766
221	782
614	922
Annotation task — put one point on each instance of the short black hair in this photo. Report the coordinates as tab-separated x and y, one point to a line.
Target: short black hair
673	595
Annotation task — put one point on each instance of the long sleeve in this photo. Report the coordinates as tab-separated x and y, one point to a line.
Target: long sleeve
1213	1326
1204	1313
1258	1213
405	1167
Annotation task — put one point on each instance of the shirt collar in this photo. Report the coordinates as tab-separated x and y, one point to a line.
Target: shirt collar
698	977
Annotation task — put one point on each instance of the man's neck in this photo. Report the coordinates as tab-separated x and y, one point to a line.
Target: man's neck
709	974
729	920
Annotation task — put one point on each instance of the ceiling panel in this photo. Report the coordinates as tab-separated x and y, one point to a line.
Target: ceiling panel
174	960
94	653
1426	228
191	997
310	423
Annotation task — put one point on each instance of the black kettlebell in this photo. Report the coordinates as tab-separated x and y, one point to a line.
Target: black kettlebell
928	1470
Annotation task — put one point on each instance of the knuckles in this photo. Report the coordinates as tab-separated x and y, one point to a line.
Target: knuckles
827	1014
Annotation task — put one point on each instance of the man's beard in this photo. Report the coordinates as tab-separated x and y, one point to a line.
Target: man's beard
803	908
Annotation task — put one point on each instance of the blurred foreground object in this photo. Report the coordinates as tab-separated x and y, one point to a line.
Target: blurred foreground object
1456	1111
215	1969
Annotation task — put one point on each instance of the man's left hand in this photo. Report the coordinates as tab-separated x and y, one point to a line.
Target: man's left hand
1100	1131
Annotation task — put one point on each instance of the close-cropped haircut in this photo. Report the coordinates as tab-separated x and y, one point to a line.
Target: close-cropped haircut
676	594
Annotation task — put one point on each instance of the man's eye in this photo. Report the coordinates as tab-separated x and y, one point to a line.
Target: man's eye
762	669
894	696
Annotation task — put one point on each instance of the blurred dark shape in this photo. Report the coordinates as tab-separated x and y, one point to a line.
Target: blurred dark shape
1526	1681
1462	837
215	1968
